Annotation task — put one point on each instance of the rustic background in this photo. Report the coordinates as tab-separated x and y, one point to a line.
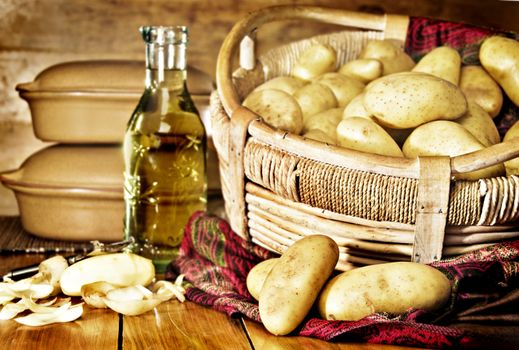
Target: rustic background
35	34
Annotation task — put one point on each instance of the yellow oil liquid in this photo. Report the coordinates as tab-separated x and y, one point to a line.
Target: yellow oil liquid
165	176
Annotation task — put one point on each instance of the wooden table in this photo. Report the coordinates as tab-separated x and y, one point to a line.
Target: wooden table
172	325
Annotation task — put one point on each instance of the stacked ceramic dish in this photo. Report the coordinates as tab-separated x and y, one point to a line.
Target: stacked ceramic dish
73	190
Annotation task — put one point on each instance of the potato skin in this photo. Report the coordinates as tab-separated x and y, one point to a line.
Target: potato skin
389	287
121	269
363	134
478	86
257	275
443	62
450	139
408	99
500	58
293	284
512	165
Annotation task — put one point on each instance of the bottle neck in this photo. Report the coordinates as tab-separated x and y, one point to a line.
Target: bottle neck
166	66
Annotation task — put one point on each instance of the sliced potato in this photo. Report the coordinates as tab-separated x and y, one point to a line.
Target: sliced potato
447	138
314	98
287	84
478	86
362	69
344	88
443	62
408	99
390	54
480	124
365	135
277	108
500	58
393	288
316	60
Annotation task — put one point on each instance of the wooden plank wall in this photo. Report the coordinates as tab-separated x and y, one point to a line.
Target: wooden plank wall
35	34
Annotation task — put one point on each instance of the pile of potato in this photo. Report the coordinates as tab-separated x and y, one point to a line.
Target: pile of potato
385	103
288	287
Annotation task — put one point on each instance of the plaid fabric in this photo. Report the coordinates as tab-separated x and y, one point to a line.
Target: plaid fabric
216	261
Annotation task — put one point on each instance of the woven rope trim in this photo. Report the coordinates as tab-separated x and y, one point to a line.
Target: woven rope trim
376	197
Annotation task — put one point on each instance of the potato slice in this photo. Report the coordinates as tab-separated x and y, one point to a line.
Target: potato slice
408	99
478	86
314	98
365	135
277	108
500	58
443	62
344	88
447	138
362	69
480	124
390	54
284	83
316	60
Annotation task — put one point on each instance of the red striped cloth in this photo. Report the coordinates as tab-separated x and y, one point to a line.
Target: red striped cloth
215	262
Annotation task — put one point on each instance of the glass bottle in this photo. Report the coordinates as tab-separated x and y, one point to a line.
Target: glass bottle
164	151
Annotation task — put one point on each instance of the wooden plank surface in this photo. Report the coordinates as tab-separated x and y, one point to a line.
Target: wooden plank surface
261	339
175	325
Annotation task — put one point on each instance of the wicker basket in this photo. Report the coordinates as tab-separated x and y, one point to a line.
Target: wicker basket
279	187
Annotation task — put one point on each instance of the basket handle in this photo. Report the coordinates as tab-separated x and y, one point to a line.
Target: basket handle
394	26
486	157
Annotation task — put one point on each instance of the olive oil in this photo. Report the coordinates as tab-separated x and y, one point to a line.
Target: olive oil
164	152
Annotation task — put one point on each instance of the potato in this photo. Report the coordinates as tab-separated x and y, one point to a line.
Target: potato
500	58
257	275
365	135
356	108
294	282
479	87
319	135
314	98
443	62
344	88
120	269
316	60
480	124
284	83
390	54
325	121
389	287
406	100
277	108
362	69
512	165
447	138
